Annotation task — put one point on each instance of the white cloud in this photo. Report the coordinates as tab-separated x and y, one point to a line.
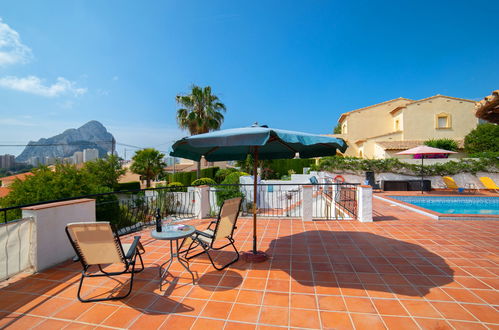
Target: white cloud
34	85
12	50
23	122
103	92
68	104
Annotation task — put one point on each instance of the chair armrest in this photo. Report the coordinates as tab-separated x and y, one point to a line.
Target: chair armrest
133	247
203	234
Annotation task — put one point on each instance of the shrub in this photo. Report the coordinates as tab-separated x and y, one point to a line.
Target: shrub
447	144
177	186
222	173
203	181
484	138
134	185
228	192
357	165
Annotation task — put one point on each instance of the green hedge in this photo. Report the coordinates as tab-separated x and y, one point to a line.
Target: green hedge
134	185
186	178
281	167
394	165
203	181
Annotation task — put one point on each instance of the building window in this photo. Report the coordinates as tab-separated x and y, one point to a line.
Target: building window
443	120
397	125
344	128
360	153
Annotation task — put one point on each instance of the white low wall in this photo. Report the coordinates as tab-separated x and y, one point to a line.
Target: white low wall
51	245
436	181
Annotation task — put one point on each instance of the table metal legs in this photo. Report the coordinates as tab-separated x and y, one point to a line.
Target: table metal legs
163	272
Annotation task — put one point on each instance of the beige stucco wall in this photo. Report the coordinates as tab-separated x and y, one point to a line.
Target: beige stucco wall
373	121
400	118
417	121
420	119
373	150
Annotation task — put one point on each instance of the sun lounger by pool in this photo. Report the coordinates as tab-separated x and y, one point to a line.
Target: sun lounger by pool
451	184
489	184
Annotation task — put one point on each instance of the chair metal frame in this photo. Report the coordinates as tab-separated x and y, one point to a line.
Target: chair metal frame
128	259
196	241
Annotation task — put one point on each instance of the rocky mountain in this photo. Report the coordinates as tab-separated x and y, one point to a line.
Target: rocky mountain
91	135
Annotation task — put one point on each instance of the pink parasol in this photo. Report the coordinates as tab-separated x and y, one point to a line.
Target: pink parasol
424	150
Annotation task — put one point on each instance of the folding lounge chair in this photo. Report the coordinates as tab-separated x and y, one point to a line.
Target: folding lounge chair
95	243
489	184
313	180
451	184
209	238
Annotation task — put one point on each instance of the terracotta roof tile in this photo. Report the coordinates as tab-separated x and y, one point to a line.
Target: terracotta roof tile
21	176
4	191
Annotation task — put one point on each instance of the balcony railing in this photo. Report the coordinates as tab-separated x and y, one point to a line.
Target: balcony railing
131	210
330	201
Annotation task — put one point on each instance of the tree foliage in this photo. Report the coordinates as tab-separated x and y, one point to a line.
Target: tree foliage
106	171
45	185
200	112
447	144
337	129
148	163
483	139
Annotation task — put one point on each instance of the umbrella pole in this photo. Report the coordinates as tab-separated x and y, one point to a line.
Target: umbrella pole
255	255
255	188
422	173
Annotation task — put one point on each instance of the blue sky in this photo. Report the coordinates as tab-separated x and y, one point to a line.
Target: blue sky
289	64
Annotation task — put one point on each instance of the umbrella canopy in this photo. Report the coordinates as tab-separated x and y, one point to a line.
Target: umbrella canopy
263	143
237	143
425	150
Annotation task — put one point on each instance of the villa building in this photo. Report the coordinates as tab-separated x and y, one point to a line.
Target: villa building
381	130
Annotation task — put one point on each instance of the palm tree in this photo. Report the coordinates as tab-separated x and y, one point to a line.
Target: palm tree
148	163
200	112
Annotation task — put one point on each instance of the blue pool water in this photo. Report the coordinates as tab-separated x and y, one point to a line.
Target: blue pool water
454	205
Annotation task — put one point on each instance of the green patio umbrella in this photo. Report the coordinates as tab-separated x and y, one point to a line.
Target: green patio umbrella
262	143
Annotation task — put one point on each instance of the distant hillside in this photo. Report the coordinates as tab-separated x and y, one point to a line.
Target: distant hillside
91	135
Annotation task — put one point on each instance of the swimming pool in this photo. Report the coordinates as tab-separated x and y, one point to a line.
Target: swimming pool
454	204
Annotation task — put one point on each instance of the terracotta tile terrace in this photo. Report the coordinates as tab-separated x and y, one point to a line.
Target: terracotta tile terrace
403	271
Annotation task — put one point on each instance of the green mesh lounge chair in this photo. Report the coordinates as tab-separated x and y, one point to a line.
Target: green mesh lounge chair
218	237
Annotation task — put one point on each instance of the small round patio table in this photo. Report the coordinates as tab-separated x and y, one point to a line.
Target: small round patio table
173	233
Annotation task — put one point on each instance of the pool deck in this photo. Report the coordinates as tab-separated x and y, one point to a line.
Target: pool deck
385	196
403	271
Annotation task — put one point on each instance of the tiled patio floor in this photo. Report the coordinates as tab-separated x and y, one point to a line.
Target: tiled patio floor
393	273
